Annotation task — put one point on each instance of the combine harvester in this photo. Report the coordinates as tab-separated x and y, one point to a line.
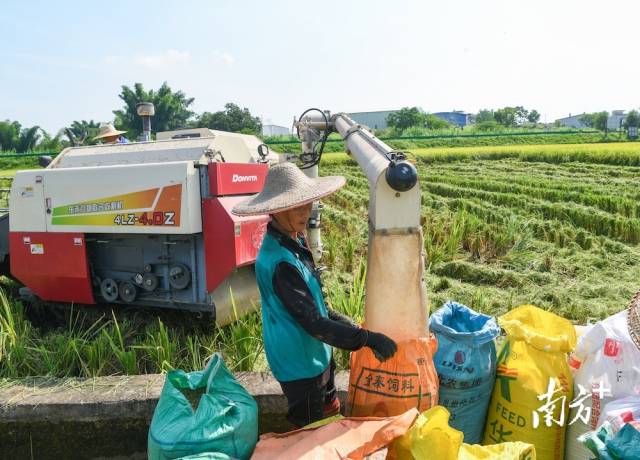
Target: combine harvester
150	223
145	223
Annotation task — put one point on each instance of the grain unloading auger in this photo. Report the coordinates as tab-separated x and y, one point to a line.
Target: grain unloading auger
395	301
395	294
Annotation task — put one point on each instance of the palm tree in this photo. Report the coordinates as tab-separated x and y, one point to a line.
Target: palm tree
171	109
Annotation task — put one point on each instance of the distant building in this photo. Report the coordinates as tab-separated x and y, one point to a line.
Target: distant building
616	119
374	120
572	121
275	130
378	120
457	117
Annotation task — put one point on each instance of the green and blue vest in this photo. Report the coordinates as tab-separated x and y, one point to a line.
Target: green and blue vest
292	353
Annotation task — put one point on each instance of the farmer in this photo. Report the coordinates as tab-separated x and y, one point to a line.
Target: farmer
298	327
110	135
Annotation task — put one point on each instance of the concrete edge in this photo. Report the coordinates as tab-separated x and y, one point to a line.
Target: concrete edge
105	398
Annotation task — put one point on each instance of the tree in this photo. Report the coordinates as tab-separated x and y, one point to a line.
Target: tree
232	118
51	143
506	116
83	132
433	122
533	116
632	120
522	115
484	116
13	137
406	118
171	108
596	120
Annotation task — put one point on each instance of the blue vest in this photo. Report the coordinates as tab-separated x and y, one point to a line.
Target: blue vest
291	352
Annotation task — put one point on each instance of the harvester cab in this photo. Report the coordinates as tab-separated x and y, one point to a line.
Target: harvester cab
146	223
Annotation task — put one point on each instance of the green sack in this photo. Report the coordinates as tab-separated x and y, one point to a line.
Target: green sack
225	420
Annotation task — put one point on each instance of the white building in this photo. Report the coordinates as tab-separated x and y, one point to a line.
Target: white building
572	121
616	119
275	130
374	120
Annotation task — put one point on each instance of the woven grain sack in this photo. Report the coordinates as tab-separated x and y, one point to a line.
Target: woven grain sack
225	421
466	365
607	356
531	363
407	380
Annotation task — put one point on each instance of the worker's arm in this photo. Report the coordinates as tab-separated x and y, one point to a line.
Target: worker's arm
335	316
296	297
336	330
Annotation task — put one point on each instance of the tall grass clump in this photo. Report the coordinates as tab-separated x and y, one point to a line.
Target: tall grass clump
349	300
241	341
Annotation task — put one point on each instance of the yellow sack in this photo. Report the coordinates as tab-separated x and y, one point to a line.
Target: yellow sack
504	451
530	401
431	438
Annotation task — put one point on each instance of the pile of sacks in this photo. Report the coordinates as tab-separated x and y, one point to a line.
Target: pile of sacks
469	399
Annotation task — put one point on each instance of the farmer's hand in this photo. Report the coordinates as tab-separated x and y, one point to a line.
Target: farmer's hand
382	346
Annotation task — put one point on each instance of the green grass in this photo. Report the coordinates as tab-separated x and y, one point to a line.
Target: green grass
8	166
553	225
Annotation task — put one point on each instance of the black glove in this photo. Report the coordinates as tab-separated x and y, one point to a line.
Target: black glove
382	346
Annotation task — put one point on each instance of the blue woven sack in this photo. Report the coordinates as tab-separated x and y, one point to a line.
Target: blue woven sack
466	365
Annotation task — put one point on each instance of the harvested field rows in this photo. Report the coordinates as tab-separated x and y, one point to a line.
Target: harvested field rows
514	226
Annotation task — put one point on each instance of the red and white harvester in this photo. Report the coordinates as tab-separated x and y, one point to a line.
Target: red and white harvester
144	223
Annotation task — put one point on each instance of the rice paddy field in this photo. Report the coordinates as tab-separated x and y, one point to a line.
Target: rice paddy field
556	226
553	225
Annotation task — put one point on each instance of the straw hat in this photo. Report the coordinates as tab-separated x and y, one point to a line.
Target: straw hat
107	130
287	187
633	319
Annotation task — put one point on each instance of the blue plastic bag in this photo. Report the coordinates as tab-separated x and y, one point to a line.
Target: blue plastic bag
225	420
466	365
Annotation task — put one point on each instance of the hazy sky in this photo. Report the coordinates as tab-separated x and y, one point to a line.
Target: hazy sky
66	60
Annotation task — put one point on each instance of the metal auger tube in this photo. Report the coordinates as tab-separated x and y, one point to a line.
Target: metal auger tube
395	301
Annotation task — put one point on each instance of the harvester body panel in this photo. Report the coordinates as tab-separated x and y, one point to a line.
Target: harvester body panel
53	265
151	198
146	224
26	202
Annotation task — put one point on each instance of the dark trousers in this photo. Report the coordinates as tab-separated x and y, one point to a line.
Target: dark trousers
307	398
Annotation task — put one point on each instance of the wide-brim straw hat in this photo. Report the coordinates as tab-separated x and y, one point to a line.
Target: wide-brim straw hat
287	187
633	319
107	130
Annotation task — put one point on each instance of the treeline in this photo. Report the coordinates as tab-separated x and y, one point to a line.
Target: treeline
415	121
172	111
485	120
